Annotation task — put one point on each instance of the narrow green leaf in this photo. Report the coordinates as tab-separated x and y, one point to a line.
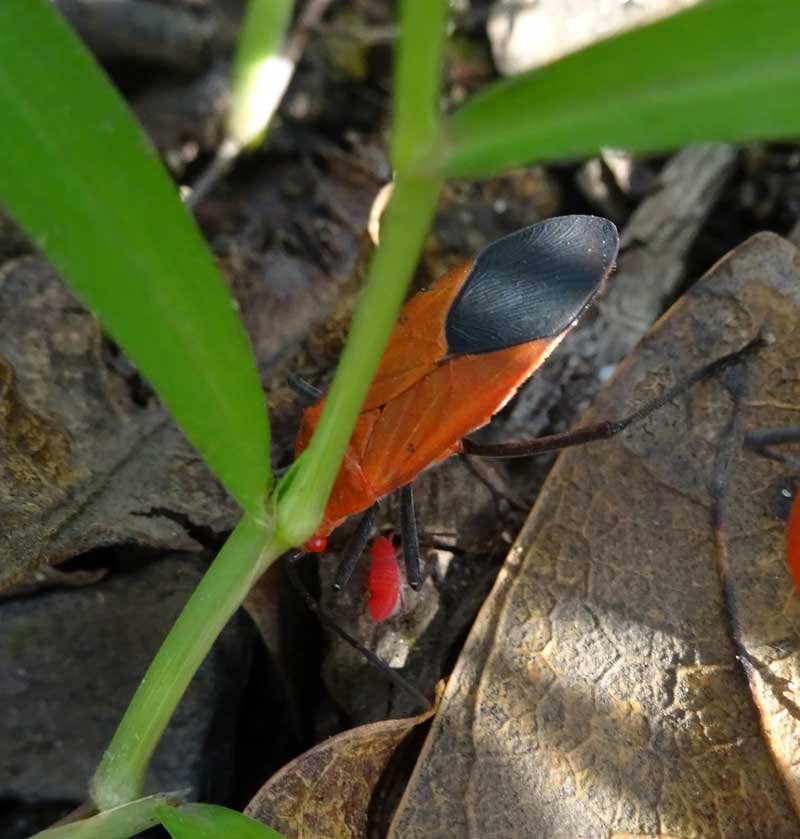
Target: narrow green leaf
77	174
260	73
209	821
723	70
417	78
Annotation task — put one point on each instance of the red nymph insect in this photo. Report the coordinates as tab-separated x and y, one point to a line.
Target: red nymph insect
793	541
383	582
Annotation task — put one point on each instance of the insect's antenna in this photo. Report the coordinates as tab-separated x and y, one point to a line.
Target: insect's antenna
610	428
325	618
305	390
764	440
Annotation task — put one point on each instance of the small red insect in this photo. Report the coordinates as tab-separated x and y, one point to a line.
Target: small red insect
383	582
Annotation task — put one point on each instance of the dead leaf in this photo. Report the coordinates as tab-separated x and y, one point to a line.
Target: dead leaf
326	792
47	579
599	693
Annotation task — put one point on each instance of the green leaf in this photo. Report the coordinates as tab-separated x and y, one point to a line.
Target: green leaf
260	73
208	821
417	78
723	70
77	174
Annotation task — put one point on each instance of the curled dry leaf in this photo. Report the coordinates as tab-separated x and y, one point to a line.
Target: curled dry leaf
602	690
325	793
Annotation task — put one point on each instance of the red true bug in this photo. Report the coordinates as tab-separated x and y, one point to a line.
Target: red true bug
457	354
383	582
460	350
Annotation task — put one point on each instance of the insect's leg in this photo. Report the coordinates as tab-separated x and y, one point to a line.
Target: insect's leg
408	527
355	547
308	392
763	441
610	428
319	611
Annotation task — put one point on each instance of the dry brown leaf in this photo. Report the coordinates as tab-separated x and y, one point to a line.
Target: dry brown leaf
46	579
325	793
599	694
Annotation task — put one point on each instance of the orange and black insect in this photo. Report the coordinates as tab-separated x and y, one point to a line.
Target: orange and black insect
458	353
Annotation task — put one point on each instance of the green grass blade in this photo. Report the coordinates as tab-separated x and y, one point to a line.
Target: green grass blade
724	70
259	72
209	821
417	78
77	174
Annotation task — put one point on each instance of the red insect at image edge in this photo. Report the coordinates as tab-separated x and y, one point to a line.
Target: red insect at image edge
793	541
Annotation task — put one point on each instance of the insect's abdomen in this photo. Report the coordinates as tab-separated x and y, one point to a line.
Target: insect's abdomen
383	583
793	541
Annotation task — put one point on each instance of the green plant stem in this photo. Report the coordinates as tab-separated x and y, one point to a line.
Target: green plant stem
304	490
250	549
210	821
118	823
417	79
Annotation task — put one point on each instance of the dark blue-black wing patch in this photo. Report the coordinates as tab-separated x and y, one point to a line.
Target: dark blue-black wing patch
531	284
